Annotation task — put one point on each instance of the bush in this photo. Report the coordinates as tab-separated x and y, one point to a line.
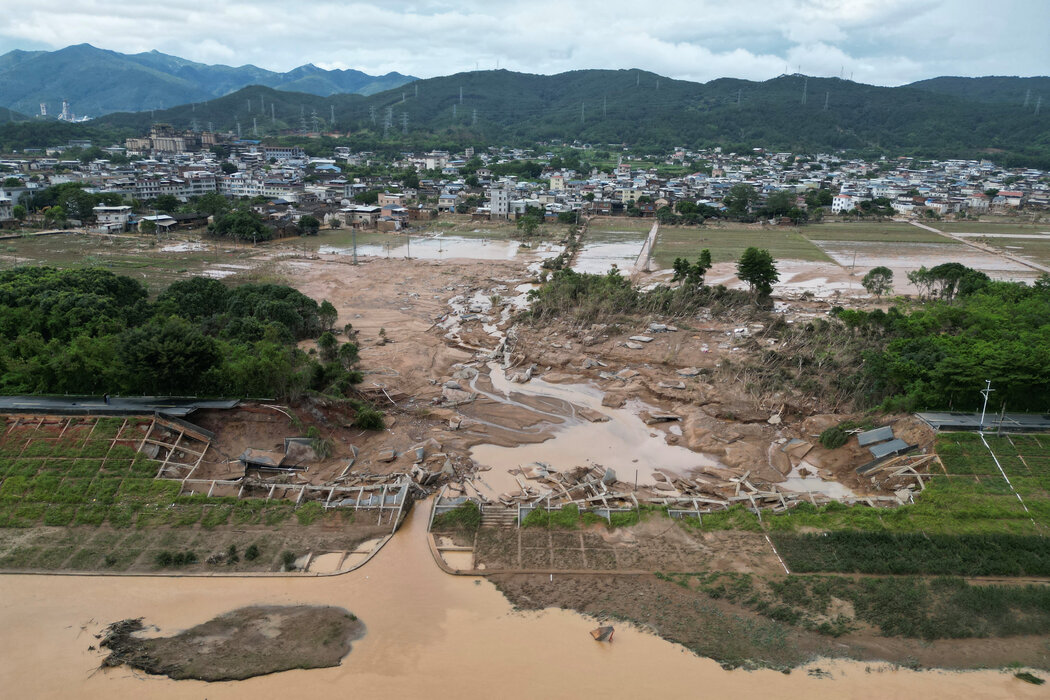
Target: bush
464	517
252	553
368	418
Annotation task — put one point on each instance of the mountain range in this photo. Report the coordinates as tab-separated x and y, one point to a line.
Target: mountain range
639	108
97	81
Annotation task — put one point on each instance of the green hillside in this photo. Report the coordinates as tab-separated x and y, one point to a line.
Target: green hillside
643	109
993	88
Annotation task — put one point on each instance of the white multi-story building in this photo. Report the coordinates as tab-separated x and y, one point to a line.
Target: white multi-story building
499	202
113	218
6	209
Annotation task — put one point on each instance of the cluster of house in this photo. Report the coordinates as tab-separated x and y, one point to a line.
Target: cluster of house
293	184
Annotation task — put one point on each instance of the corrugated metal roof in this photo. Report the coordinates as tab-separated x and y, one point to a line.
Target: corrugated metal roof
888	448
877	435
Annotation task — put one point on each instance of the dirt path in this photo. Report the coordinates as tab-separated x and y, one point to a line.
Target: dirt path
985	248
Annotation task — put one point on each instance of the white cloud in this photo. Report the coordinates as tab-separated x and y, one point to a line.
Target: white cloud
879	41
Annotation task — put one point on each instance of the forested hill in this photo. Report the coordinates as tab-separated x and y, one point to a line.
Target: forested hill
642	109
992	88
97	81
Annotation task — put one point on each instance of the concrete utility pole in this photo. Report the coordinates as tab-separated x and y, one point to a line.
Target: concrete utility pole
985	392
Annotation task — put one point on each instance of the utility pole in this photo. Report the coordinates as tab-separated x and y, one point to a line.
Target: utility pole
826	96
985	392
738	93
453	112
332	108
461	94
604	112
1038	104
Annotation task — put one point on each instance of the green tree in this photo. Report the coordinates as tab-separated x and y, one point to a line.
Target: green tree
148	226
211	204
756	267
19	212
327	315
12	182
328	346
55	214
167	203
528	225
228	167
309	225
692	274
878	281
739	199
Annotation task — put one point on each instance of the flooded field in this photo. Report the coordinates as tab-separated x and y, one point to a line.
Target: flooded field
428	634
905	257
602	249
438	247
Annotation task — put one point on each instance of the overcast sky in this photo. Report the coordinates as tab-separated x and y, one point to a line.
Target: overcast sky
885	42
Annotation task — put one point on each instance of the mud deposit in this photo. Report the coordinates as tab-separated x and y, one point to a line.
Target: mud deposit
252	641
736	637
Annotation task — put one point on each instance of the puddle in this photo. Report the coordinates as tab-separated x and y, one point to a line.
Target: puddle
460	561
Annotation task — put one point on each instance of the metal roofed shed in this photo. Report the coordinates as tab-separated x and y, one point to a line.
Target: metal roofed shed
877	435
893	447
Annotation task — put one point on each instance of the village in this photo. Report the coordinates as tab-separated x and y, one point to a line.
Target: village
498	183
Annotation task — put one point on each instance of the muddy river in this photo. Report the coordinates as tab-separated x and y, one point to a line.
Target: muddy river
428	634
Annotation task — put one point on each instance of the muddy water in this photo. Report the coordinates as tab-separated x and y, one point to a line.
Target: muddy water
902	257
428	634
624	443
603	249
442	247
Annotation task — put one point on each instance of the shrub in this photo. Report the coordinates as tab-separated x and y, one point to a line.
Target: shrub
466	517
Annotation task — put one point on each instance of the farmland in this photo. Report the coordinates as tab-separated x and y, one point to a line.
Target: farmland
86	499
727	243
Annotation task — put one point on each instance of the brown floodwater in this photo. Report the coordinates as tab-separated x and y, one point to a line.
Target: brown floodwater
428	634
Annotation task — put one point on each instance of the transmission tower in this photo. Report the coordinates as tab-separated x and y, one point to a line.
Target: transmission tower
255	127
805	89
827	96
404	122
238	131
1027	96
474	118
1038	104
372	113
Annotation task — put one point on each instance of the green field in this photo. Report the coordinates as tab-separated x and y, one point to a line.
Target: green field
891	232
84	498
727	244
1035	250
991	227
139	257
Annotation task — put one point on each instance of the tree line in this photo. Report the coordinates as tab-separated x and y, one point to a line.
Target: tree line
89	331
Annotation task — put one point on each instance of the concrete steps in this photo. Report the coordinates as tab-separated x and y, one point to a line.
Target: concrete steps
496	516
